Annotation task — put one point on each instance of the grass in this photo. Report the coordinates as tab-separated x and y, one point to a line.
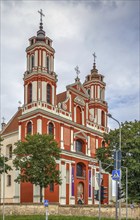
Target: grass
35	217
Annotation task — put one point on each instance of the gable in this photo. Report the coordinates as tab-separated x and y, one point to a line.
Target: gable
78	89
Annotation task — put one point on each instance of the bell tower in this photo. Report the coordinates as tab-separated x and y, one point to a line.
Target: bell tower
95	86
39	78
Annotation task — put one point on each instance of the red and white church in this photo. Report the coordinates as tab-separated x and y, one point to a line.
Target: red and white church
77	119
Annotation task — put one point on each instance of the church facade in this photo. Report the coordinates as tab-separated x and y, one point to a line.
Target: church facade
77	119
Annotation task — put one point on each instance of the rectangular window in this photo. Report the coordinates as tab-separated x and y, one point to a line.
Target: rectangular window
8	180
51	187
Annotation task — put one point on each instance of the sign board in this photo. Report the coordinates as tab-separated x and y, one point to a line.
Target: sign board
46	203
116	174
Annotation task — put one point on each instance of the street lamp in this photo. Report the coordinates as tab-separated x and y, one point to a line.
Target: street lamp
3	210
110	116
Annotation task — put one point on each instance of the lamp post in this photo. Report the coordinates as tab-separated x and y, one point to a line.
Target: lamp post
110	116
3	209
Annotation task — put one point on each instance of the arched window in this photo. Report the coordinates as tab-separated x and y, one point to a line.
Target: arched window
51	128
79	115
48	64
9	151
49	93
29	128
79	146
80	170
32	61
88	92
103	143
30	93
103	118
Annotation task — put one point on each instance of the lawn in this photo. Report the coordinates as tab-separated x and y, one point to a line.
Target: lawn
35	217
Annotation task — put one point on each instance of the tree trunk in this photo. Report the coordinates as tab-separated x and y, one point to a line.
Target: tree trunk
41	196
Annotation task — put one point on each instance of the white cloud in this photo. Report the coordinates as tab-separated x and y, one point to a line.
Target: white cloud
109	28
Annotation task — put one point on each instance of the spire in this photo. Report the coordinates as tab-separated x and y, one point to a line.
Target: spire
77	79
94	64
94	70
41	32
41	14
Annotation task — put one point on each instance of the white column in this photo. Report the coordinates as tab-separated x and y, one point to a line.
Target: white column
62	137
25	90
83	117
51	64
28	63
88	151
44	92
92	92
39	57
98	89
52	95
74	113
36	58
39	126
72	147
44	58
87	110
99	116
96	144
34	92
19	132
63	185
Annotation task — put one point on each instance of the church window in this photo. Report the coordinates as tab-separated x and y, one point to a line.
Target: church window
103	118
9	151
30	93
48	64
49	93
51	128
8	180
79	115
79	146
32	61
88	92
29	128
80	172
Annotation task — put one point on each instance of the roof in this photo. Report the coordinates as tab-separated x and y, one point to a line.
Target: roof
61	97
12	125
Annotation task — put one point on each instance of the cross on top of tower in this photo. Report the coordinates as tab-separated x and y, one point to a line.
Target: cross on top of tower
41	14
77	71
3	120
94	55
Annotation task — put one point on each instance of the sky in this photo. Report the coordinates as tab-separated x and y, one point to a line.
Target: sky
110	28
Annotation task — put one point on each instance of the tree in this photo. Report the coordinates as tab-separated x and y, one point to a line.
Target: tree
36	159
130	146
3	159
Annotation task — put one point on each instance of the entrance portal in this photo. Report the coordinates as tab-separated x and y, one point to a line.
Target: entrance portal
80	193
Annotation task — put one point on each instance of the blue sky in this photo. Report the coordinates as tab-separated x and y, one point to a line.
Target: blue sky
110	28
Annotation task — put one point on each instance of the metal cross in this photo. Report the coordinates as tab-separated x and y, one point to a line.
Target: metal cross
77	70
3	119
41	14
94	55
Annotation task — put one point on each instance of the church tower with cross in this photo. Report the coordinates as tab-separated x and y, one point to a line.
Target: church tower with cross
39	78
95	87
75	117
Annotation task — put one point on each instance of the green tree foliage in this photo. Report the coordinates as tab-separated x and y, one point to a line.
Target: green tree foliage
130	146
36	158
3	159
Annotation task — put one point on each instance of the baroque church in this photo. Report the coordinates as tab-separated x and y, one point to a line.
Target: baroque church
77	119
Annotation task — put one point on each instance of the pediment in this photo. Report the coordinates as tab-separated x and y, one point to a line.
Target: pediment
78	89
80	135
79	100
